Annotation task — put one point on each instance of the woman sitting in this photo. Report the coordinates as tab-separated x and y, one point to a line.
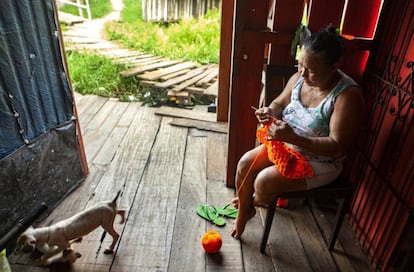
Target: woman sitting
318	114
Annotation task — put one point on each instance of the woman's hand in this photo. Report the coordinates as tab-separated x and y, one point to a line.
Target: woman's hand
264	115
281	131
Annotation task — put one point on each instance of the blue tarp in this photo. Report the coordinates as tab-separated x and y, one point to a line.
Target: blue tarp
34	92
39	154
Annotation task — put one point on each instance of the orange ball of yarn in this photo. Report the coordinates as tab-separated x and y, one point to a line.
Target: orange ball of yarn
211	241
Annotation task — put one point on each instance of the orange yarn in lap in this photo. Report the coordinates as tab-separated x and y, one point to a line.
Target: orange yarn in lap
290	162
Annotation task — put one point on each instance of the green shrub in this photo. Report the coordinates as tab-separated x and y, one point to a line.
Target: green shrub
95	74
193	39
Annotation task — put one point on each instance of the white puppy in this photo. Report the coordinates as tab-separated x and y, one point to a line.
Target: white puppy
57	237
68	256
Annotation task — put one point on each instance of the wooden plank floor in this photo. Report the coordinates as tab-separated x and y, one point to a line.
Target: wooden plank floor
164	171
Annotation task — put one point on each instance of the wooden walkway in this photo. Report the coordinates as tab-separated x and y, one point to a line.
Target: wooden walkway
179	79
166	166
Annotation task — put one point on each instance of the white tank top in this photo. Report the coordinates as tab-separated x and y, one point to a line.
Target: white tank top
313	121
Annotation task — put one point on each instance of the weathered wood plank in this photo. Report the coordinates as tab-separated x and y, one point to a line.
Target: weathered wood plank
212	90
166	71
220	127
102	45
211	73
146	56
25	261
159	169
122	54
177	80
126	112
69	19
76	32
134	60
80	100
186	246
230	257
124	172
216	156
154	66
157	205
312	241
88	107
147	83
147	67
111	111
194	90
253	259
144	60
325	219
133	153
183	113
352	249
190	81
27	268
73	32
101	126
175	74
284	243
105	155
341	260
129	114
81	40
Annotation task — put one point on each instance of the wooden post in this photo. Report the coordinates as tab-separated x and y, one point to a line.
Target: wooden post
226	43
81	147
250	19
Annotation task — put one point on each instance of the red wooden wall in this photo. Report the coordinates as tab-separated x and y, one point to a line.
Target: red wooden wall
383	207
263	31
252	34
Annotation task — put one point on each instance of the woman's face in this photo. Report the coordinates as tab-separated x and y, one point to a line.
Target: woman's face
314	70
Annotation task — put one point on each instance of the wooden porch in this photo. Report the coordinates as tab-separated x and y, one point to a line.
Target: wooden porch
165	167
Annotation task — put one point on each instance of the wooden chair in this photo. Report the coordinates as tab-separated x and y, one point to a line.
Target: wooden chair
340	189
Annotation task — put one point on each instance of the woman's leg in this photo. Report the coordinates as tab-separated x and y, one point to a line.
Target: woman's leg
264	180
251	163
270	183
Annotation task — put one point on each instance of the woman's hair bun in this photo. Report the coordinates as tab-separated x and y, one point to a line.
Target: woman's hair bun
327	42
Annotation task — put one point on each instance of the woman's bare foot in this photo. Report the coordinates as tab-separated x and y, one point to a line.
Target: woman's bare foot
240	223
235	202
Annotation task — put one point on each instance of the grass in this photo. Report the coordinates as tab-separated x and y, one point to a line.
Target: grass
95	74
99	8
195	40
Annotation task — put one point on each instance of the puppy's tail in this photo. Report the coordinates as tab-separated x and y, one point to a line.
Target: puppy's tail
116	197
